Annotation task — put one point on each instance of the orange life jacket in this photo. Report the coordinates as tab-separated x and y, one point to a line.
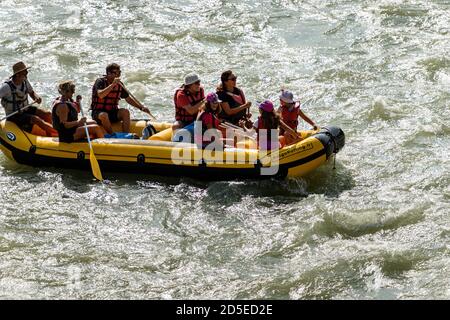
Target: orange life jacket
108	103
290	117
180	113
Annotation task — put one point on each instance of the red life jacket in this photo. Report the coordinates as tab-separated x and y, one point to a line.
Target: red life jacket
180	113
290	117
108	103
268	144
237	101
215	124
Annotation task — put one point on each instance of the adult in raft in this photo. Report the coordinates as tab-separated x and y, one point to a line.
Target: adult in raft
106	94
65	116
14	96
188	100
234	106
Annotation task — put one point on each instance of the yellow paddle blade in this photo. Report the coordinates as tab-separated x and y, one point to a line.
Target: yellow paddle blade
95	167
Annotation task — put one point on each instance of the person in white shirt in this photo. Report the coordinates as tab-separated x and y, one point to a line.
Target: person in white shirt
14	96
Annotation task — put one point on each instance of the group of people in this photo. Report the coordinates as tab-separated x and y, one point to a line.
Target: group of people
226	105
63	121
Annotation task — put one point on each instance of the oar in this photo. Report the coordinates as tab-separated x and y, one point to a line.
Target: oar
238	132
236	128
16	112
134	98
94	163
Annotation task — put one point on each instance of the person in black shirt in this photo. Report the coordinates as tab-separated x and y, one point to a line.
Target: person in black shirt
65	116
234	106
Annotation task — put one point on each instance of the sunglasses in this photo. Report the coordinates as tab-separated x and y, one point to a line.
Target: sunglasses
232	78
197	82
116	72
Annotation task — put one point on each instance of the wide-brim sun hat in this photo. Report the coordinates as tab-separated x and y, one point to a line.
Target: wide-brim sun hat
266	105
287	96
19	67
190	79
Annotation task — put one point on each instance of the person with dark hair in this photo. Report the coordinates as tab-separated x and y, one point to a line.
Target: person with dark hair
65	116
14	97
188	100
269	120
106	94
234	105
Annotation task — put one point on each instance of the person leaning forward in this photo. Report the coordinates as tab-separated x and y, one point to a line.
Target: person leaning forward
14	96
106	94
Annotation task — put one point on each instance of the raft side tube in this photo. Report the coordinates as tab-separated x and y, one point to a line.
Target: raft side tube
332	139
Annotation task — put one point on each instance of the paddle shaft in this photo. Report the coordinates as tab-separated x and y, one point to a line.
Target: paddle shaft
237	130
85	127
17	111
134	98
92	159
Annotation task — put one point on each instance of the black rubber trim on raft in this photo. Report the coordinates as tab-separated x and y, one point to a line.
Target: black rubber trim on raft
327	142
307	159
199	172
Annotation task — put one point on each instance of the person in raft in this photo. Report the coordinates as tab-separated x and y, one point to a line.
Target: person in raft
290	111
208	117
65	116
235	109
106	94
188	100
14	96
268	121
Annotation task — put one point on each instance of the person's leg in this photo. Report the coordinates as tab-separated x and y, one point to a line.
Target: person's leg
178	125
94	130
98	123
44	115
49	130
124	116
104	118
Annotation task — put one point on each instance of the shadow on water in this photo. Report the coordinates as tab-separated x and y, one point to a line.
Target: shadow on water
328	181
75	180
325	180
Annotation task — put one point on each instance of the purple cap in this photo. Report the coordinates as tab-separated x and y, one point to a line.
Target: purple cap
212	97
267	106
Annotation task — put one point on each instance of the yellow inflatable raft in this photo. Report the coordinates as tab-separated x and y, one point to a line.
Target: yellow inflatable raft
159	155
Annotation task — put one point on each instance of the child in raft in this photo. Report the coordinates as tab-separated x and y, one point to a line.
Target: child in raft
290	111
208	118
269	120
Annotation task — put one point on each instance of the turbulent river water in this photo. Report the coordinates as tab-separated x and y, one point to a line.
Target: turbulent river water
377	227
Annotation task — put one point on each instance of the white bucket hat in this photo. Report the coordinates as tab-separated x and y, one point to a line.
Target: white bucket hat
190	79
287	96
